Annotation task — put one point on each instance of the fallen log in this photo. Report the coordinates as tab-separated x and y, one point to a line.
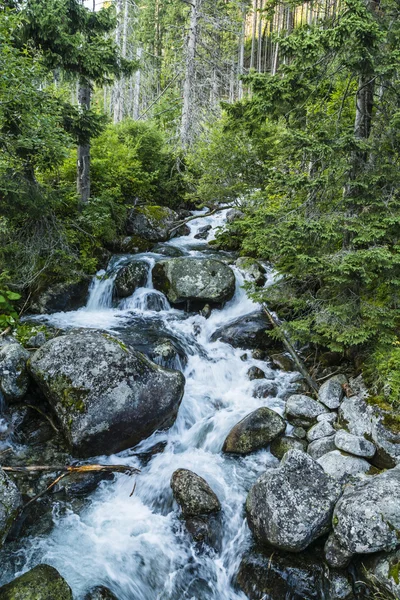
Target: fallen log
290	348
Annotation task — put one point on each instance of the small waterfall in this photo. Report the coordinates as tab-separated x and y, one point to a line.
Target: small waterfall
101	291
146	299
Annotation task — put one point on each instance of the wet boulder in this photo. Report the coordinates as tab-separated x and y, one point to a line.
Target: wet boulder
353	444
167	250
303	410
252	269
367	517
249	331
62	297
276	575
151	224
194	279
255	431
130	277
41	583
107	396
14	378
291	506
193	494
255	373
100	593
343	466
281	445
10	503
203	232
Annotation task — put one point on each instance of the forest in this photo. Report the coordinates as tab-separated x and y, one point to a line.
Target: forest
259	139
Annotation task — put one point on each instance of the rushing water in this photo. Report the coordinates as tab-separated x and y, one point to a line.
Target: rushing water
137	544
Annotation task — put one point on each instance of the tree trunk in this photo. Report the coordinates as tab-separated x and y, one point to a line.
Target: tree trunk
83	163
117	85
187	109
136	92
253	36
241	51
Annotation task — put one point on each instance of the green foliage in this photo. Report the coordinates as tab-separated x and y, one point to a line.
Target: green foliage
8	299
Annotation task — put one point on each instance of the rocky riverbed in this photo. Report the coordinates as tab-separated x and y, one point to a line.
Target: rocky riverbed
249	486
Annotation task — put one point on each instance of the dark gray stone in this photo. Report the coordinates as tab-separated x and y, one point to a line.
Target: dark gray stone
331	392
107	396
14	378
255	373
255	431
152	223
246	332
10	503
62	297
100	593
193	494
321	446
303	410
130	277
281	445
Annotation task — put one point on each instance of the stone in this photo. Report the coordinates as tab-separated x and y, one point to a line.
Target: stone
41	583
281	445
100	593
249	331
206	311
265	388
283	361
10	503
343	466
194	279
61	297
291	506
166	354
130	277
331	417
383	572
255	431
107	396
151	223
233	215
331	392
193	494
37	340
255	373
14	378
203	232
252	269
167	250
367	517
321	446
354	444
299	432
320	430
303	410
340	587
336	555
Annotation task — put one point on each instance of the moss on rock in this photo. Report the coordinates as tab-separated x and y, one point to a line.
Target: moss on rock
41	583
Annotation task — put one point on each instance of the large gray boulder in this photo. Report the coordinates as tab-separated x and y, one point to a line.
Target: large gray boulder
62	297
41	583
193	494
354	444
107	396
291	506
130	277
255	431
331	392
10	503
194	279
303	410
343	466
14	378
151	223
249	331
367	517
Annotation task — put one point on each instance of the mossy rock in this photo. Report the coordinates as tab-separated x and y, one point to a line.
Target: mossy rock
41	583
151	223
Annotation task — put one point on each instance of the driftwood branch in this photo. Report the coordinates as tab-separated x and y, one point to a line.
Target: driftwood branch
67	470
5	332
289	346
192	218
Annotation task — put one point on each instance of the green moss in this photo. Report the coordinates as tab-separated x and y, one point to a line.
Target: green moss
380	402
335	521
114	340
394	572
41	583
154	213
139	243
26	331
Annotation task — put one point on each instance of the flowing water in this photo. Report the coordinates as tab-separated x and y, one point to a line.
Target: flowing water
137	544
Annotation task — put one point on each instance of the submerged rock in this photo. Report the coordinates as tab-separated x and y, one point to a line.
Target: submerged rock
249	331
194	279
303	410
291	506
41	583
193	494
14	378
131	277
107	396
367	516
255	431
10	503
276	575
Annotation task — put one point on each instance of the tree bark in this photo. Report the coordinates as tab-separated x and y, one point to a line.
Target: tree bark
187	108
83	162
